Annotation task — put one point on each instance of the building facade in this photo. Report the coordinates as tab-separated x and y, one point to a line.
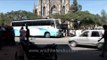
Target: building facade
49	7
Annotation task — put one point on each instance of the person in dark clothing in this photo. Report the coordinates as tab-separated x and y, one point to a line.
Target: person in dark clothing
24	37
2	31
8	35
105	41
0	38
11	35
27	33
64	27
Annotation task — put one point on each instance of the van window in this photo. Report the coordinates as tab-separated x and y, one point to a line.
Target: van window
95	34
85	34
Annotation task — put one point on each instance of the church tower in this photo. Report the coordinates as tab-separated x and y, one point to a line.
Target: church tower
49	7
35	10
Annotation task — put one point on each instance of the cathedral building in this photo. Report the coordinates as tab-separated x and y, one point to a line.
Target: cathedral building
49	7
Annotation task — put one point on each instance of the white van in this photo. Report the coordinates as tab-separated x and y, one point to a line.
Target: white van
87	37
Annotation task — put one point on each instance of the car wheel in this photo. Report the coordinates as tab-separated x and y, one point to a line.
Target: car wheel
99	46
47	35
73	43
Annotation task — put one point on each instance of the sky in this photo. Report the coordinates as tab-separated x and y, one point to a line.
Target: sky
93	6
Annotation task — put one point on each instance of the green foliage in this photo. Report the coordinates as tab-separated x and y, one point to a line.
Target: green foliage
16	15
104	16
84	17
2	18
75	6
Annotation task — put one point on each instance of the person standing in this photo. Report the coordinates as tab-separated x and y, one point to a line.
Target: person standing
2	33
22	41
105	41
27	33
0	38
22	34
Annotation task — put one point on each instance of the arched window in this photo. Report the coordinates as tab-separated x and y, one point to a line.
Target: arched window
53	10
44	11
63	9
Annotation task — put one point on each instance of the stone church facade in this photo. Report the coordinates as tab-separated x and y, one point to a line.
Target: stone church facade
49	7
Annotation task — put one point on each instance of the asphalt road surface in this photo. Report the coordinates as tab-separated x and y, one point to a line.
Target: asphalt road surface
64	51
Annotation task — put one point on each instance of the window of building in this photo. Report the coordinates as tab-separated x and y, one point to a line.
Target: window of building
53	10
44	11
63	9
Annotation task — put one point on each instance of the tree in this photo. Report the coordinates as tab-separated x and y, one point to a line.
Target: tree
2	18
75	6
16	15
104	16
85	18
20	15
79	7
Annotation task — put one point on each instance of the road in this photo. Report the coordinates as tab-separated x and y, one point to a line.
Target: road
65	51
39	40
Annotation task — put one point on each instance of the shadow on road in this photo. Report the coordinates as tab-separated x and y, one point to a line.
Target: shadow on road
79	54
85	46
64	52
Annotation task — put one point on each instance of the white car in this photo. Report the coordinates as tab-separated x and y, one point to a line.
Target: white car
87	37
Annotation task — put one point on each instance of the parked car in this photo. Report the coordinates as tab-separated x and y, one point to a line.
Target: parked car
87	37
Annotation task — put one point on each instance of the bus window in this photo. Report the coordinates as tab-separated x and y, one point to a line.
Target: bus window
41	23
18	24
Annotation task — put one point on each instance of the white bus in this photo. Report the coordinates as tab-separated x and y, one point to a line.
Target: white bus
39	27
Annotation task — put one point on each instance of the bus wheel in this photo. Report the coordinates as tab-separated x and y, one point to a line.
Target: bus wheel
47	35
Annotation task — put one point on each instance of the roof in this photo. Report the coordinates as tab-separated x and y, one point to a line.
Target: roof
34	20
94	30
